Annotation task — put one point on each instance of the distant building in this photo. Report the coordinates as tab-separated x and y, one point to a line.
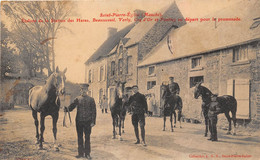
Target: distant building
224	55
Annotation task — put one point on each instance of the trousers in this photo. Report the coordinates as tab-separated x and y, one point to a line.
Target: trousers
83	127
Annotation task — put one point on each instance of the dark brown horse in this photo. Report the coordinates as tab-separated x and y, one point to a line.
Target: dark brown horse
45	100
227	104
118	110
171	103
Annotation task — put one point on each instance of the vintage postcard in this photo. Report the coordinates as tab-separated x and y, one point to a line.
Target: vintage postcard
123	79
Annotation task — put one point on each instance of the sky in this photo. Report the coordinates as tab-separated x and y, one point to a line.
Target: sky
74	47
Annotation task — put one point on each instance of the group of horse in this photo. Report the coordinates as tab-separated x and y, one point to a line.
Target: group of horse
45	100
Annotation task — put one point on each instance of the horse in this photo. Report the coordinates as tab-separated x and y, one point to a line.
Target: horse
118	109
171	103
45	100
227	104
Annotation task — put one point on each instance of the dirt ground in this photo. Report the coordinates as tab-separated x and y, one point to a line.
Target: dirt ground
17	140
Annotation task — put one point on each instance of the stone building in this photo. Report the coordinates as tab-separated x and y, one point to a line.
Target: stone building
224	55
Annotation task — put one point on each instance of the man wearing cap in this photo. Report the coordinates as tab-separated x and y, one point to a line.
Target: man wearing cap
214	110
138	106
85	119
173	86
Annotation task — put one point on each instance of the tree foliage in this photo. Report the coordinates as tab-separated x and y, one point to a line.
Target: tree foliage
34	31
8	58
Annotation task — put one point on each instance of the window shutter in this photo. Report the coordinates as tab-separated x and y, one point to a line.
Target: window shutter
242	96
86	76
99	68
92	74
104	73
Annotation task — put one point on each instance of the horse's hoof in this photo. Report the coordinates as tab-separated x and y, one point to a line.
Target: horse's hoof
123	131
113	137
56	149
234	134
40	148
205	135
163	129
120	139
37	142
174	126
172	130
180	126
228	133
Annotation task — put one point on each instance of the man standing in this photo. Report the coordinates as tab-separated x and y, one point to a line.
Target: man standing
138	106
173	86
103	104
85	119
214	109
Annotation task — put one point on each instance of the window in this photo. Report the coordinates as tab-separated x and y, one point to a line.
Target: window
120	66
129	65
101	73
240	53
150	84
89	76
113	65
100	94
195	80
151	70
196	62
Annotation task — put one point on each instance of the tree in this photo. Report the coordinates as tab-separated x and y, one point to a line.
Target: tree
8	58
35	26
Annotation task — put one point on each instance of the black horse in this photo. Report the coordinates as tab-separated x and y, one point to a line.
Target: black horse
118	109
45	100
227	104
171	103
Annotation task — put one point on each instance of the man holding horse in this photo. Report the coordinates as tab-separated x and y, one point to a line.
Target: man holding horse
138	106
214	110
85	119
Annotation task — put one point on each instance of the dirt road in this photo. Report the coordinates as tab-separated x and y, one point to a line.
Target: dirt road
17	141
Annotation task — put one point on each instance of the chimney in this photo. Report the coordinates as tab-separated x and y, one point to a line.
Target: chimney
111	31
139	14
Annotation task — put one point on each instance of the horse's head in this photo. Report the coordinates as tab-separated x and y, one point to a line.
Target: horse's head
197	90
165	88
120	88
59	79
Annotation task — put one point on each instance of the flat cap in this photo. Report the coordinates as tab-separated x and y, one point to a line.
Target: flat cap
128	88
134	86
84	85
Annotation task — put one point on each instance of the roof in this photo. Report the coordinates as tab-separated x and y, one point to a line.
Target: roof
109	44
202	37
142	28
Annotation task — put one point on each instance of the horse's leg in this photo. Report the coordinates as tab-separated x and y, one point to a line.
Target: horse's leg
119	127
171	122
205	113
123	125
179	117
36	122
174	113
234	121
114	128
55	118
42	130
164	119
229	122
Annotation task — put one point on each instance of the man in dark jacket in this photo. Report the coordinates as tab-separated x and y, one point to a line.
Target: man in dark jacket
138	106
214	110
85	119
173	86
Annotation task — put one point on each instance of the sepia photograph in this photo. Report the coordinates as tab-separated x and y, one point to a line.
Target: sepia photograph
130	80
